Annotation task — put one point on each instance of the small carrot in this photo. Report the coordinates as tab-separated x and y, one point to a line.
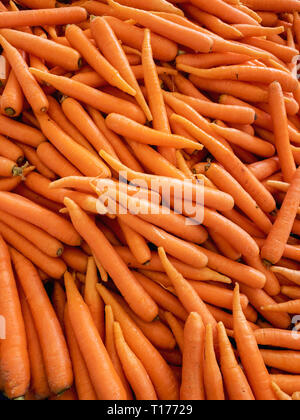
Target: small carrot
288	383
14	366
21	132
235	380
58	300
34	160
176	328
12	99
10	150
281	396
47	325
252	360
292	275
133	368
136	243
291	307
29	85
75	259
213	382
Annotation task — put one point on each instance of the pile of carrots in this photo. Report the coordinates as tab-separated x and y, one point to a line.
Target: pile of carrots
97	304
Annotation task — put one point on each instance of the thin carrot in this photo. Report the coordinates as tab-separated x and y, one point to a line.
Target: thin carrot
235	380
288	383
56	357
107	42
291	307
282	141
213	381
56	54
133	368
292	275
39	380
14	367
34	160
82	44
105	380
58	300
135	295
102	101
278	338
160	373
29	85
82	379
284	360
252	360
281	396
92	298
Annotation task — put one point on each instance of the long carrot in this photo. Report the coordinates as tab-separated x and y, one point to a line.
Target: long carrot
109	45
56	54
58	299
273	248
133	368
278	338
134	294
84	387
235	381
253	363
22	132
213	382
55	161
29	85
284	360
291	307
160	373
39	380
105	380
14	366
56	356
99	100
12	99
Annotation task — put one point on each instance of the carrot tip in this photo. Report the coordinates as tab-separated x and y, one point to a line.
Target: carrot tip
10	112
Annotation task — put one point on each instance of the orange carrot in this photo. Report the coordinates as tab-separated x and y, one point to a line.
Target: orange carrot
235	381
12	99
284	360
47	325
278	338
213	382
11	151
22	132
55	161
58	299
252	360
14	366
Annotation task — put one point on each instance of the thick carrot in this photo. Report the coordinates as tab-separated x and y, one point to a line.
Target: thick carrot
99	100
235	380
105	380
59	16
160	373
251	358
273	248
14	366
21	132
282	141
32	91
288	383
39	380
133	36
56	54
213	381
37	199
12	99
11	151
231	163
192	385
108	43
56	356
134	294
27	210
284	360
83	159
55	161
84	387
92	298
264	169
278	338
37	236
133	368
